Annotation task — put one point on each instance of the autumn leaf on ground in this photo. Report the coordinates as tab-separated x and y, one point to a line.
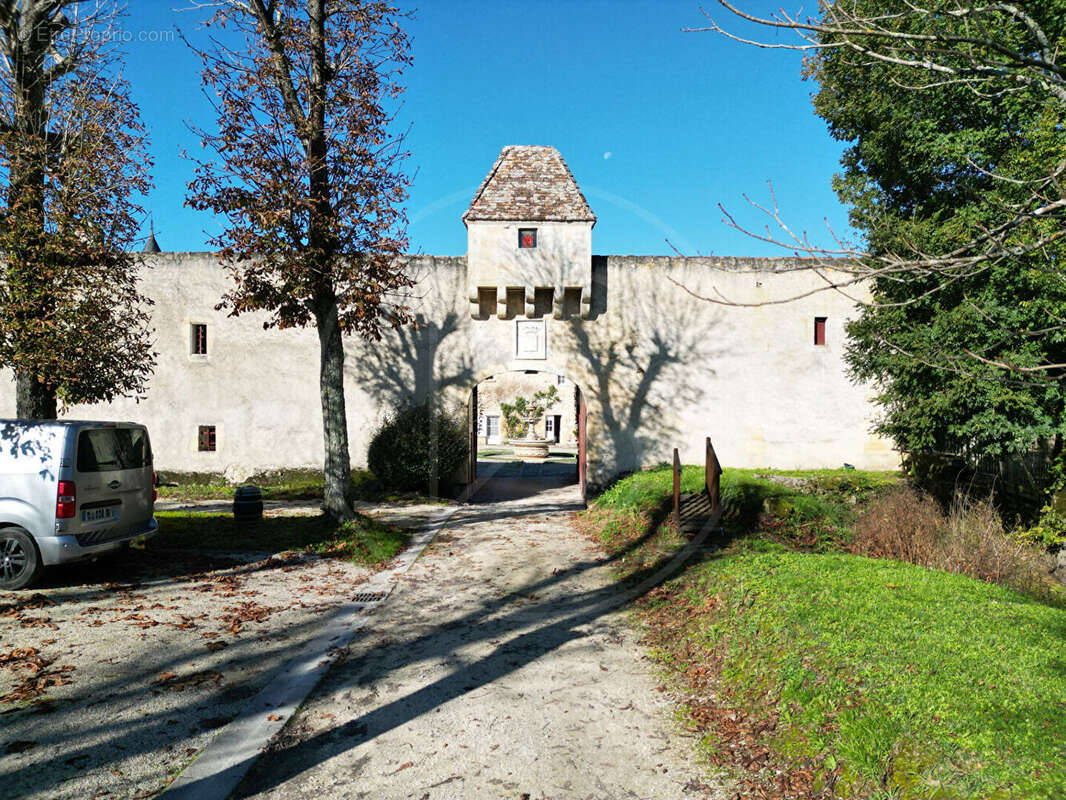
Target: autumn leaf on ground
38	622
171	680
35	685
14	658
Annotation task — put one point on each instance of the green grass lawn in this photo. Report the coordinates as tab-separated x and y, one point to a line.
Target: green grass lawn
283	485
873	677
362	540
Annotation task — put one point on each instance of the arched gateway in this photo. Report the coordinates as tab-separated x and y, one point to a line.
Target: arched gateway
657	368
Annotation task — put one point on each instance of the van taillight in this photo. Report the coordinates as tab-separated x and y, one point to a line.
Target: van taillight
65	500
155	483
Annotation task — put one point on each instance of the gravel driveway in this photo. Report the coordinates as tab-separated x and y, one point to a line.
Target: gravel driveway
494	670
114	675
499	667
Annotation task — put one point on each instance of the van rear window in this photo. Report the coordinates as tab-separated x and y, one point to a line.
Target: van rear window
107	449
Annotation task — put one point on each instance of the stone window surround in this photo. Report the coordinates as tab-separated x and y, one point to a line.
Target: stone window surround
209	330
207	438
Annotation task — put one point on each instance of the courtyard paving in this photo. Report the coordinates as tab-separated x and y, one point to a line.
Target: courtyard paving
114	675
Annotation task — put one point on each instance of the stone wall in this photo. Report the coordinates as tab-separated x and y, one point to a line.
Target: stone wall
657	368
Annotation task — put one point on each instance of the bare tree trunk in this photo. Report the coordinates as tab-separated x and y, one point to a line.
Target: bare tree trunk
33	399
337	470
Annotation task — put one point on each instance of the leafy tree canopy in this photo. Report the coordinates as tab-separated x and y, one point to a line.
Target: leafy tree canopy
73	325
967	359
306	170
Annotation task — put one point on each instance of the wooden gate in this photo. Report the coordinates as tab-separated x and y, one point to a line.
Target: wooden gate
582	443
471	426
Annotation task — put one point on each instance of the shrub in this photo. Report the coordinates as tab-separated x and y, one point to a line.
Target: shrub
903	525
1049	531
416	446
970	540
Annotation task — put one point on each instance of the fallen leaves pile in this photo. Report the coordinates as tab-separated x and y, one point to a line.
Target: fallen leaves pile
22	660
40	677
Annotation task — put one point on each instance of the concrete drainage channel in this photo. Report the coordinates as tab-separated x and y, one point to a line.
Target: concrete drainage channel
224	762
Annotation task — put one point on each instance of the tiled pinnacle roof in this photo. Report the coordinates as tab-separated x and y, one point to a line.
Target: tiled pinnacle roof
529	182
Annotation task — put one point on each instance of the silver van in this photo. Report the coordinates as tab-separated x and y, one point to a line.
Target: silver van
70	490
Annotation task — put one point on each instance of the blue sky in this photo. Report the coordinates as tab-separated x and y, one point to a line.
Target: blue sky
657	125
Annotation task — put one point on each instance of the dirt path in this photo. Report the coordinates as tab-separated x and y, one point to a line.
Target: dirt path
493	671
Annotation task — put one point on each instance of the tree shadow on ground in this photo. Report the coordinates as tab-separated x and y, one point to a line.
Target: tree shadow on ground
77	747
94	723
535	629
517	480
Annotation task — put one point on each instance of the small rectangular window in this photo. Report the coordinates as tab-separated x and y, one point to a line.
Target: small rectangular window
206	439
199	340
492	430
560	380
527	237
819	330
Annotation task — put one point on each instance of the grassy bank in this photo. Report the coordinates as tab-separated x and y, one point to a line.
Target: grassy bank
362	540
813	672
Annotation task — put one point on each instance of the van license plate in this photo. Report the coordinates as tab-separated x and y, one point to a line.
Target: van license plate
99	514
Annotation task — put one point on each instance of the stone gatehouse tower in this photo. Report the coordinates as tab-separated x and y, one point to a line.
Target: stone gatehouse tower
655	368
529	239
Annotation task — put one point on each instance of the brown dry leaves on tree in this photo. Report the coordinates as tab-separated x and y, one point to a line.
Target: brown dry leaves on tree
73	153
305	171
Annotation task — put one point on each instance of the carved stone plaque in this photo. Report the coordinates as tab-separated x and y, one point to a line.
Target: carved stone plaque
531	339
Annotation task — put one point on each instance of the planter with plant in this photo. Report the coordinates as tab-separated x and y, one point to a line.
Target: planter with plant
523	416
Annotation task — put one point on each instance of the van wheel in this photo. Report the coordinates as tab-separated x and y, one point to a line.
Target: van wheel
20	563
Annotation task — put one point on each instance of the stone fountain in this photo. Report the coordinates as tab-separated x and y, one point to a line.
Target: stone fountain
530	448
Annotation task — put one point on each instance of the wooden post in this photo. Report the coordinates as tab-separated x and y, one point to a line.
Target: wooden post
712	472
582	445
677	490
471	429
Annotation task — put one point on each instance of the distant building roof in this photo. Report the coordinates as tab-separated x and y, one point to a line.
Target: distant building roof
529	182
150	244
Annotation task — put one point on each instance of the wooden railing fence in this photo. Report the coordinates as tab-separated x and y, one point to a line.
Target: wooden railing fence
677	490
712	474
